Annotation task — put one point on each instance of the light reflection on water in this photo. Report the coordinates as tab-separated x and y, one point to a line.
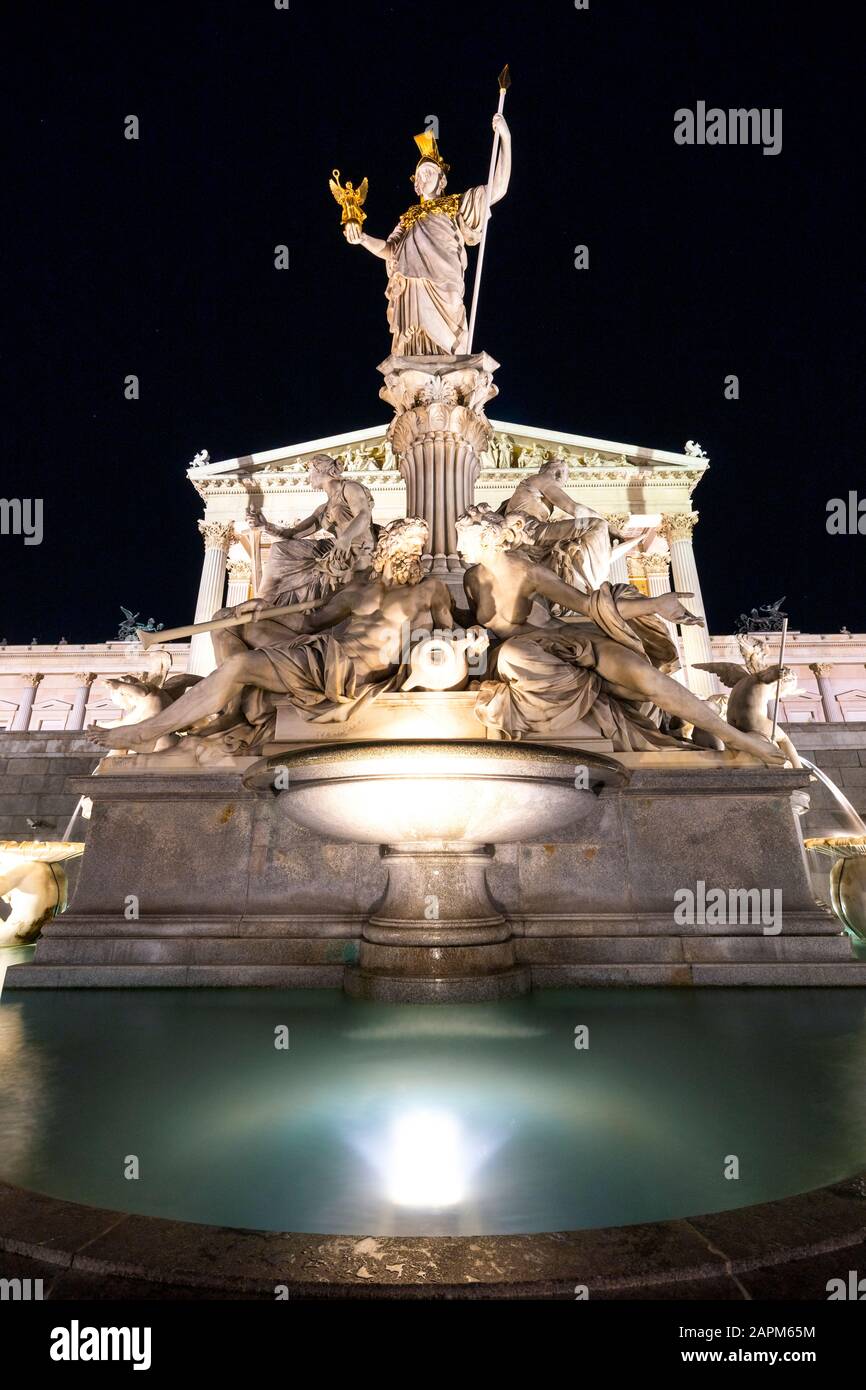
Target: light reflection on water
400	1119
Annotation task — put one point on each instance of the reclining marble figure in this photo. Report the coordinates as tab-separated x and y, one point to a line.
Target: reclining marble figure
325	675
592	667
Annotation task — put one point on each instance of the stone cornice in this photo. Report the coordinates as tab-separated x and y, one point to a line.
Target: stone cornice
292	480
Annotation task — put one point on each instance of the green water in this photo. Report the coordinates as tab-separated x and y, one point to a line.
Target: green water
423	1120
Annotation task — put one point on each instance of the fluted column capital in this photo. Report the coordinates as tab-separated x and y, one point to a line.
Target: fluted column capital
678	526
656	563
217	535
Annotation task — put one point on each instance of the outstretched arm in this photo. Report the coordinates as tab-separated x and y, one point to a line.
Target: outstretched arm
355	237
666	606
558	497
546	584
660	606
503	162
336	610
255	517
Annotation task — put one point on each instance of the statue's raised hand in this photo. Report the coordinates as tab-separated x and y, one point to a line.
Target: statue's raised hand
669	606
353	234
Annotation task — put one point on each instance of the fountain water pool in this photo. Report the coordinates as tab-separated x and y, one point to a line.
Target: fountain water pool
401	1119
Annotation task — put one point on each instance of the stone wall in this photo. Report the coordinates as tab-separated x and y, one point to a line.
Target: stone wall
34	772
840	751
35	767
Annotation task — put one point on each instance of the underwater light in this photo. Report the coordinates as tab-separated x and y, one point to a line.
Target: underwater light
424	1160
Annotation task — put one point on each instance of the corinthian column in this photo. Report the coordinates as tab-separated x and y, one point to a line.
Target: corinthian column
83	680
657	568
22	714
695	641
438	434
239	582
217	536
619	568
821	671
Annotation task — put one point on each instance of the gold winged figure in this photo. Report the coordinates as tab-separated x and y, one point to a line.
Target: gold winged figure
350	199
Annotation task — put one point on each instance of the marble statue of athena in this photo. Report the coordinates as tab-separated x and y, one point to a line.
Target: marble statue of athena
425	255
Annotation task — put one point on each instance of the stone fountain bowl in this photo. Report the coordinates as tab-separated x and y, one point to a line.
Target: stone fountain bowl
407	792
436	810
33	884
847	878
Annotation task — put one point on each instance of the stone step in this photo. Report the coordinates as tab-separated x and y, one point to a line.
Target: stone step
674	950
784	974
177	976
204	951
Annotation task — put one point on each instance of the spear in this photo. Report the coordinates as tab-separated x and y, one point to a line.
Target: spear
779	681
173	634
504	81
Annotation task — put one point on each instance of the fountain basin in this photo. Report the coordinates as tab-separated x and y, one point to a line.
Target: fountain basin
847	878
436	810
33	883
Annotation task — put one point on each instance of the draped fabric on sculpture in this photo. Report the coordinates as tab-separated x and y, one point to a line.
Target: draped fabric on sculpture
583	560
317	673
305	568
546	679
425	263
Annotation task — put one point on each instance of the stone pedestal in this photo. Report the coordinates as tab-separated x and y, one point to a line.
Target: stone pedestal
438	434
192	878
437	935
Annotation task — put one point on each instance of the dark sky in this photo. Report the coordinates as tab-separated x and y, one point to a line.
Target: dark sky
156	258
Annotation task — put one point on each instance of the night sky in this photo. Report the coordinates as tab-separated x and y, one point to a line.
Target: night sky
156	257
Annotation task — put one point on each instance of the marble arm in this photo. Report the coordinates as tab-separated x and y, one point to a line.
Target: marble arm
362	517
667	606
338	607
355	237
558	497
503	161
375	245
